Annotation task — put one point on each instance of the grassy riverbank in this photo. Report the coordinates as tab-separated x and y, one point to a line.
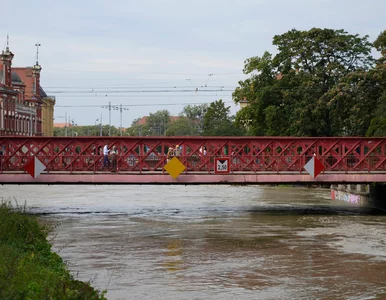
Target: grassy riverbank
28	267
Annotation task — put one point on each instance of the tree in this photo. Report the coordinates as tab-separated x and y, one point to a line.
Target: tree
217	122
284	91
88	130
357	103
195	114
158	122
380	44
156	125
378	122
181	127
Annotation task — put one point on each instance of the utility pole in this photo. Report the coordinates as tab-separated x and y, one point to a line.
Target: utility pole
115	107
69	124
65	126
101	126
120	108
109	118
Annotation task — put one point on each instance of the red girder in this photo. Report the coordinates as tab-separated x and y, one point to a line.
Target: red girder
247	154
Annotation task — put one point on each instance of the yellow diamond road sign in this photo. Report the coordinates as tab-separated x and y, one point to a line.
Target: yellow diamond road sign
174	167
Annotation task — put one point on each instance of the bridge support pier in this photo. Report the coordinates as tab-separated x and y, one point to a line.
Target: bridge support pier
365	195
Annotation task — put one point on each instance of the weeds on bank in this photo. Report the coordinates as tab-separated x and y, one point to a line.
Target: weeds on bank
28	267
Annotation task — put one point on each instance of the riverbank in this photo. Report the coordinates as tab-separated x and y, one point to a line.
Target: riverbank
28	267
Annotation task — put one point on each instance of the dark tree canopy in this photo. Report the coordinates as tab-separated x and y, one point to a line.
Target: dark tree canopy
290	94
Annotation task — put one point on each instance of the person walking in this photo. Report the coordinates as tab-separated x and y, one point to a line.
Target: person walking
106	160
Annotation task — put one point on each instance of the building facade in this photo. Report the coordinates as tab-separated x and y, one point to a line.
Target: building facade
25	109
48	115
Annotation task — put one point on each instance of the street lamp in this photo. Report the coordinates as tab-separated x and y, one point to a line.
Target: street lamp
96	132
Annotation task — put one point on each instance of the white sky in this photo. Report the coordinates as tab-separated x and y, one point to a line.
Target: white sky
96	52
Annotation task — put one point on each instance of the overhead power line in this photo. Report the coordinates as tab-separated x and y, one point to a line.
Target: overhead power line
138	91
138	86
141	96
133	105
135	73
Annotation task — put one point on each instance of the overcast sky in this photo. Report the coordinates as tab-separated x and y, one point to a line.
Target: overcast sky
152	54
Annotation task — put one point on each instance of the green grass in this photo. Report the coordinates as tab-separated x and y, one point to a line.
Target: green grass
28	267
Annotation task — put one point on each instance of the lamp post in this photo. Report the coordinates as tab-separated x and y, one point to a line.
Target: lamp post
65	126
96	128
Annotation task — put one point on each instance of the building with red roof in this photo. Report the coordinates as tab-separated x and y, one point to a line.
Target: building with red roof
25	109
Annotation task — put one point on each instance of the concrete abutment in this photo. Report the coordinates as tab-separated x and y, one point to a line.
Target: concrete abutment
365	195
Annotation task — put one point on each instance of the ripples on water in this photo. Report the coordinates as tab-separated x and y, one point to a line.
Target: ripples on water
214	242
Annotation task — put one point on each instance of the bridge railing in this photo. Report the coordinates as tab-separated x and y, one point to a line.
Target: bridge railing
156	163
246	154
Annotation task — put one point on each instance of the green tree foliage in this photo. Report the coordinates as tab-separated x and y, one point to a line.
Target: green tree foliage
195	113
357	103
378	122
181	127
285	92
156	125
191	122
217	122
158	122
137	129
75	131
380	44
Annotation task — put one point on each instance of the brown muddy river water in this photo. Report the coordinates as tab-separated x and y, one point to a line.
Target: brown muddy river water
213	241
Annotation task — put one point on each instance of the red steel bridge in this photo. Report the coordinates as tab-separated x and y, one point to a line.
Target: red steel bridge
141	160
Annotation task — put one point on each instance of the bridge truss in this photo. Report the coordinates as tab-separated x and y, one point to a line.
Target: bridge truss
147	155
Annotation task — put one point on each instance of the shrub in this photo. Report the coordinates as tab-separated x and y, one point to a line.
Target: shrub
28	267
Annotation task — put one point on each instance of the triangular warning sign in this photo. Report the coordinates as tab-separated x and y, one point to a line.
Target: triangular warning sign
34	167
314	167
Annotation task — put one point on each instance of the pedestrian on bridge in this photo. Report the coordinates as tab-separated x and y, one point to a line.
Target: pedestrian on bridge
114	154
106	160
170	154
177	151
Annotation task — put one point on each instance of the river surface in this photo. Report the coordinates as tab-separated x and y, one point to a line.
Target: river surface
213	241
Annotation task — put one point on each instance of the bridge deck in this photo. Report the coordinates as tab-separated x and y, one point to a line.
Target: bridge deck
190	178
